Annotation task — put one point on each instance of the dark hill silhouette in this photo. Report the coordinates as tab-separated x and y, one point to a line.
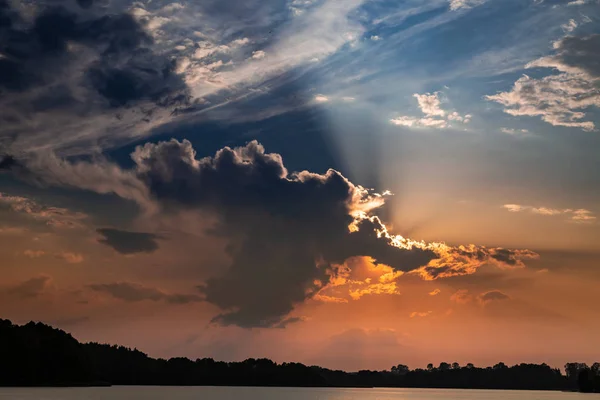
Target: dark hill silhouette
39	355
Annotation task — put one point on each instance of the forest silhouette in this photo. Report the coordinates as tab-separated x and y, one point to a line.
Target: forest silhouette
36	354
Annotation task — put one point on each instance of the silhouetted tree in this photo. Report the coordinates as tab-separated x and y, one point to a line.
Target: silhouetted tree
584	380
572	369
444	366
36	354
500	365
400	369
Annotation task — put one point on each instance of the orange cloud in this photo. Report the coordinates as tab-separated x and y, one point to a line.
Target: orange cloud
466	260
420	314
361	276
375	288
461	297
329	299
71	258
435	292
34	253
451	261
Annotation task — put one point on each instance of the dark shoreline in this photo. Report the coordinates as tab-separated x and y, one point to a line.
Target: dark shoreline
37	355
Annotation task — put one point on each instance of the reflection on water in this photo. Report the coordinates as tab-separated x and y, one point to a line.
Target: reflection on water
245	393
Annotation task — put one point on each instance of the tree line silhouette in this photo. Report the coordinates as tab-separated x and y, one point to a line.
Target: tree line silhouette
36	354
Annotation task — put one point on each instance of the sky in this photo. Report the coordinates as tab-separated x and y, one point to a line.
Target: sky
346	183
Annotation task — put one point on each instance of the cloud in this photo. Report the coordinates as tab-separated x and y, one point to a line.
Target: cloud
576	215
125	242
76	75
570	26
100	176
288	230
34	253
562	98
390	288
321	99
7	162
30	288
288	233
362	276
85	3
71	258
435	116
55	217
515	132
578	2
435	292
461	297
329	299
113	74
134	292
466	260
258	55
493	295
430	104
419	122
464	4
583	215
418	314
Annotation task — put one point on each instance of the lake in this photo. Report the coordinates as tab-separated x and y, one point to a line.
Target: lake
245	393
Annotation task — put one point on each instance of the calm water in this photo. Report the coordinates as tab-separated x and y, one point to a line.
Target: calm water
231	393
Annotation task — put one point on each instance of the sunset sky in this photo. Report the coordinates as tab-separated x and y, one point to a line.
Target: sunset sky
348	183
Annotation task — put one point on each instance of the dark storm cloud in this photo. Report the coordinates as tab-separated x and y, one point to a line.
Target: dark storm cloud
59	43
85	3
126	242
7	162
580	52
133	292
285	230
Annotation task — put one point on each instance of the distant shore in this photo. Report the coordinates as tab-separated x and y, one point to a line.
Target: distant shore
37	355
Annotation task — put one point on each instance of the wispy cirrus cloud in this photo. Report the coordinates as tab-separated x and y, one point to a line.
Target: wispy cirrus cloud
55	217
580	215
464	4
118	72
